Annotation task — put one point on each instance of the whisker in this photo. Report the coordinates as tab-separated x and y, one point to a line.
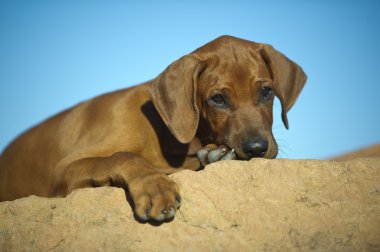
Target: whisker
283	148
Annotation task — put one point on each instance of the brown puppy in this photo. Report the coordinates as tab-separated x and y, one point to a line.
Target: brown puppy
221	94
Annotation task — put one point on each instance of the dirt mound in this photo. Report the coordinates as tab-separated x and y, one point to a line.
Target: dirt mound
278	205
372	151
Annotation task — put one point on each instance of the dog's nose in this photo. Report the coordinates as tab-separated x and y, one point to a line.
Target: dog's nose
255	147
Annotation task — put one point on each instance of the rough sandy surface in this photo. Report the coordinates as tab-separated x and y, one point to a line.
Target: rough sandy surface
259	205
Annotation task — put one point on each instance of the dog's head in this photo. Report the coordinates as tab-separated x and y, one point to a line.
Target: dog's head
225	90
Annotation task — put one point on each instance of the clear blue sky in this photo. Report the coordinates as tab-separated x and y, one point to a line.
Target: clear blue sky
54	54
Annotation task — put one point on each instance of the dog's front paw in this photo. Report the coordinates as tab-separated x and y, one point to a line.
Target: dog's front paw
155	197
212	153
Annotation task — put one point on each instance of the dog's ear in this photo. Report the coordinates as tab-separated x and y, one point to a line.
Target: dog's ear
288	77
173	93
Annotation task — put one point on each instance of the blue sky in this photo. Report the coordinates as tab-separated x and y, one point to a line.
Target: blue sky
54	54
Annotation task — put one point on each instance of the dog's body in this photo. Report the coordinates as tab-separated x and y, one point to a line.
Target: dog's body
93	129
222	94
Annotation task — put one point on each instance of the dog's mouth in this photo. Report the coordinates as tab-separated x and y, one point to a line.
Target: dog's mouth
269	152
240	154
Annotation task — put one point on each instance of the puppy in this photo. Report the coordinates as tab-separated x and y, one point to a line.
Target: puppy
212	104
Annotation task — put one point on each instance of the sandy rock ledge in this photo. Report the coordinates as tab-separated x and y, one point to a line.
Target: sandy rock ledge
259	205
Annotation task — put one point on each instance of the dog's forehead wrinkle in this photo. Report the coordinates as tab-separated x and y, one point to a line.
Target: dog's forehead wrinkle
229	53
234	67
228	45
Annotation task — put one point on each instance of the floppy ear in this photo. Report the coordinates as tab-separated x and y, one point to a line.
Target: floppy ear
288	78
173	94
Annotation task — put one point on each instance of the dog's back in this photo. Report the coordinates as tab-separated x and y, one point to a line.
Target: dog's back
21	161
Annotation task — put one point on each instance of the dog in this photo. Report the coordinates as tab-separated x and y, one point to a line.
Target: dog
212	104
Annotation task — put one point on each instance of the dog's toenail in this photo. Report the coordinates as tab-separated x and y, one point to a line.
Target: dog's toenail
147	211
178	199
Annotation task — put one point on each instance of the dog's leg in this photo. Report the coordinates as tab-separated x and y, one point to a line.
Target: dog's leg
154	194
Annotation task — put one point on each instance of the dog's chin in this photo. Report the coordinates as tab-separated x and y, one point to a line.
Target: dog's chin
240	155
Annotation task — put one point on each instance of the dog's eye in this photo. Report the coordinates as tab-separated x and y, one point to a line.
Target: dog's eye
266	93
218	100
